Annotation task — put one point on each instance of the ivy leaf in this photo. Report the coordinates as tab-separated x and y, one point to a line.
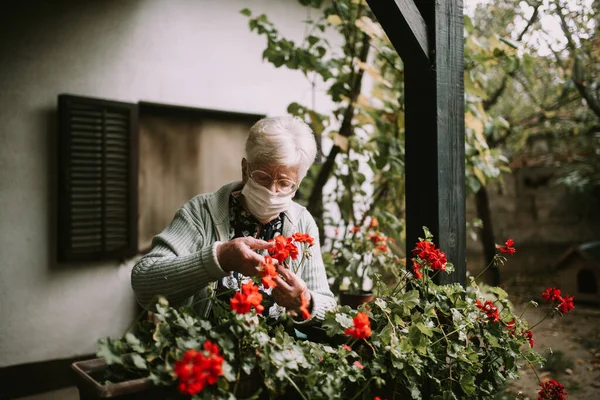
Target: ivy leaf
449	395
134	342
246	12
499	292
108	351
410	298
381	304
424	330
386	334
467	383
138	361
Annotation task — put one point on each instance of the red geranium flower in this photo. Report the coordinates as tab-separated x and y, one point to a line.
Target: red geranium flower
552	390
242	302
489	309
212	348
422	249
197	369
529	336
303	238
362	327
427	252
551	294
283	249
511	326
417	269
359	365
304	307
382	247
268	272
565	304
354	229
346	347
508	247
376	238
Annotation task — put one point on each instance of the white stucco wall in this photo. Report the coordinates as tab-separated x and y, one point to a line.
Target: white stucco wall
198	53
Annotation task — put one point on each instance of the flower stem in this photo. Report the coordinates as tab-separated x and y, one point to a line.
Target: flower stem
208	298
486	268
295	387
542	320
534	371
363	388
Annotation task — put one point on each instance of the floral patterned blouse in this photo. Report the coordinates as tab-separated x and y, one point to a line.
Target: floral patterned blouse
244	224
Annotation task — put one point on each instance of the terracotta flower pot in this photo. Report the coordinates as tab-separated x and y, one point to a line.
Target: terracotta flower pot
89	373
355	299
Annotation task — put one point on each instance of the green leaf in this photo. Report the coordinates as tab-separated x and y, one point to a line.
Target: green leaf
424	330
134	342
449	395
344	320
381	304
501	293
246	12
467	383
138	361
312	40
108	351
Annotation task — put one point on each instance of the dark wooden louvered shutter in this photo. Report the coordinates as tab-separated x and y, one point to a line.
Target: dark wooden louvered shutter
97	178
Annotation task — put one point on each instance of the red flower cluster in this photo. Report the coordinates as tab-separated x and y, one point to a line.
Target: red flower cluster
529	336
417	269
489	309
380	240
552	390
197	369
303	238
242	302
268	272
283	249
551	294
354	229
362	327
508	247
304	307
427	253
564	304
511	326
376	238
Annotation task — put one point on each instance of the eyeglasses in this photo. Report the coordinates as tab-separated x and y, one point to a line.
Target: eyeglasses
262	178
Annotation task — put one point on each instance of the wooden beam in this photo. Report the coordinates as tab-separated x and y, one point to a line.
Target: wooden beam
435	144
402	20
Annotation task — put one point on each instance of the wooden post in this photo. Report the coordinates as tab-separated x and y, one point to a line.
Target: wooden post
428	35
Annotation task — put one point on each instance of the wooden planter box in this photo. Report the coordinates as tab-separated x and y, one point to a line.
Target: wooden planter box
87	375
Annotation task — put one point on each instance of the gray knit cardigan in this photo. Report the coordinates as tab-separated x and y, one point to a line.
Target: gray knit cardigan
183	267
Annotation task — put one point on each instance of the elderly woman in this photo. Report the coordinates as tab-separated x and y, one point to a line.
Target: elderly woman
215	240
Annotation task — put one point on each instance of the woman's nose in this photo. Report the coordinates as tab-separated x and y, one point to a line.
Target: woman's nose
273	186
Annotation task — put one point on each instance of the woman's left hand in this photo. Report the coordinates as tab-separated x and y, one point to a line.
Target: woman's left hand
289	289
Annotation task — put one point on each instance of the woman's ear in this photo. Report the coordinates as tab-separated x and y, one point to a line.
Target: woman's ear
244	170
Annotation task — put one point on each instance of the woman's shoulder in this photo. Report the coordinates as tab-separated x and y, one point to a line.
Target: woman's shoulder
216	202
301	215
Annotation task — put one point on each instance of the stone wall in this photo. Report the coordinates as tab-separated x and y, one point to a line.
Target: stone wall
543	218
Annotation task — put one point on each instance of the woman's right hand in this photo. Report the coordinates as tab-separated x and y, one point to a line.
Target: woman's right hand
239	255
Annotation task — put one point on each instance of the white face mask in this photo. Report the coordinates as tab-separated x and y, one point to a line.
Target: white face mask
264	204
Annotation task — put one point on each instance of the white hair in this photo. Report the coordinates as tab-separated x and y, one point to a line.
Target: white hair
285	141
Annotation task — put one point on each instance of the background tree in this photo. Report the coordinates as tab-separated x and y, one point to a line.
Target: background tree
514	92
